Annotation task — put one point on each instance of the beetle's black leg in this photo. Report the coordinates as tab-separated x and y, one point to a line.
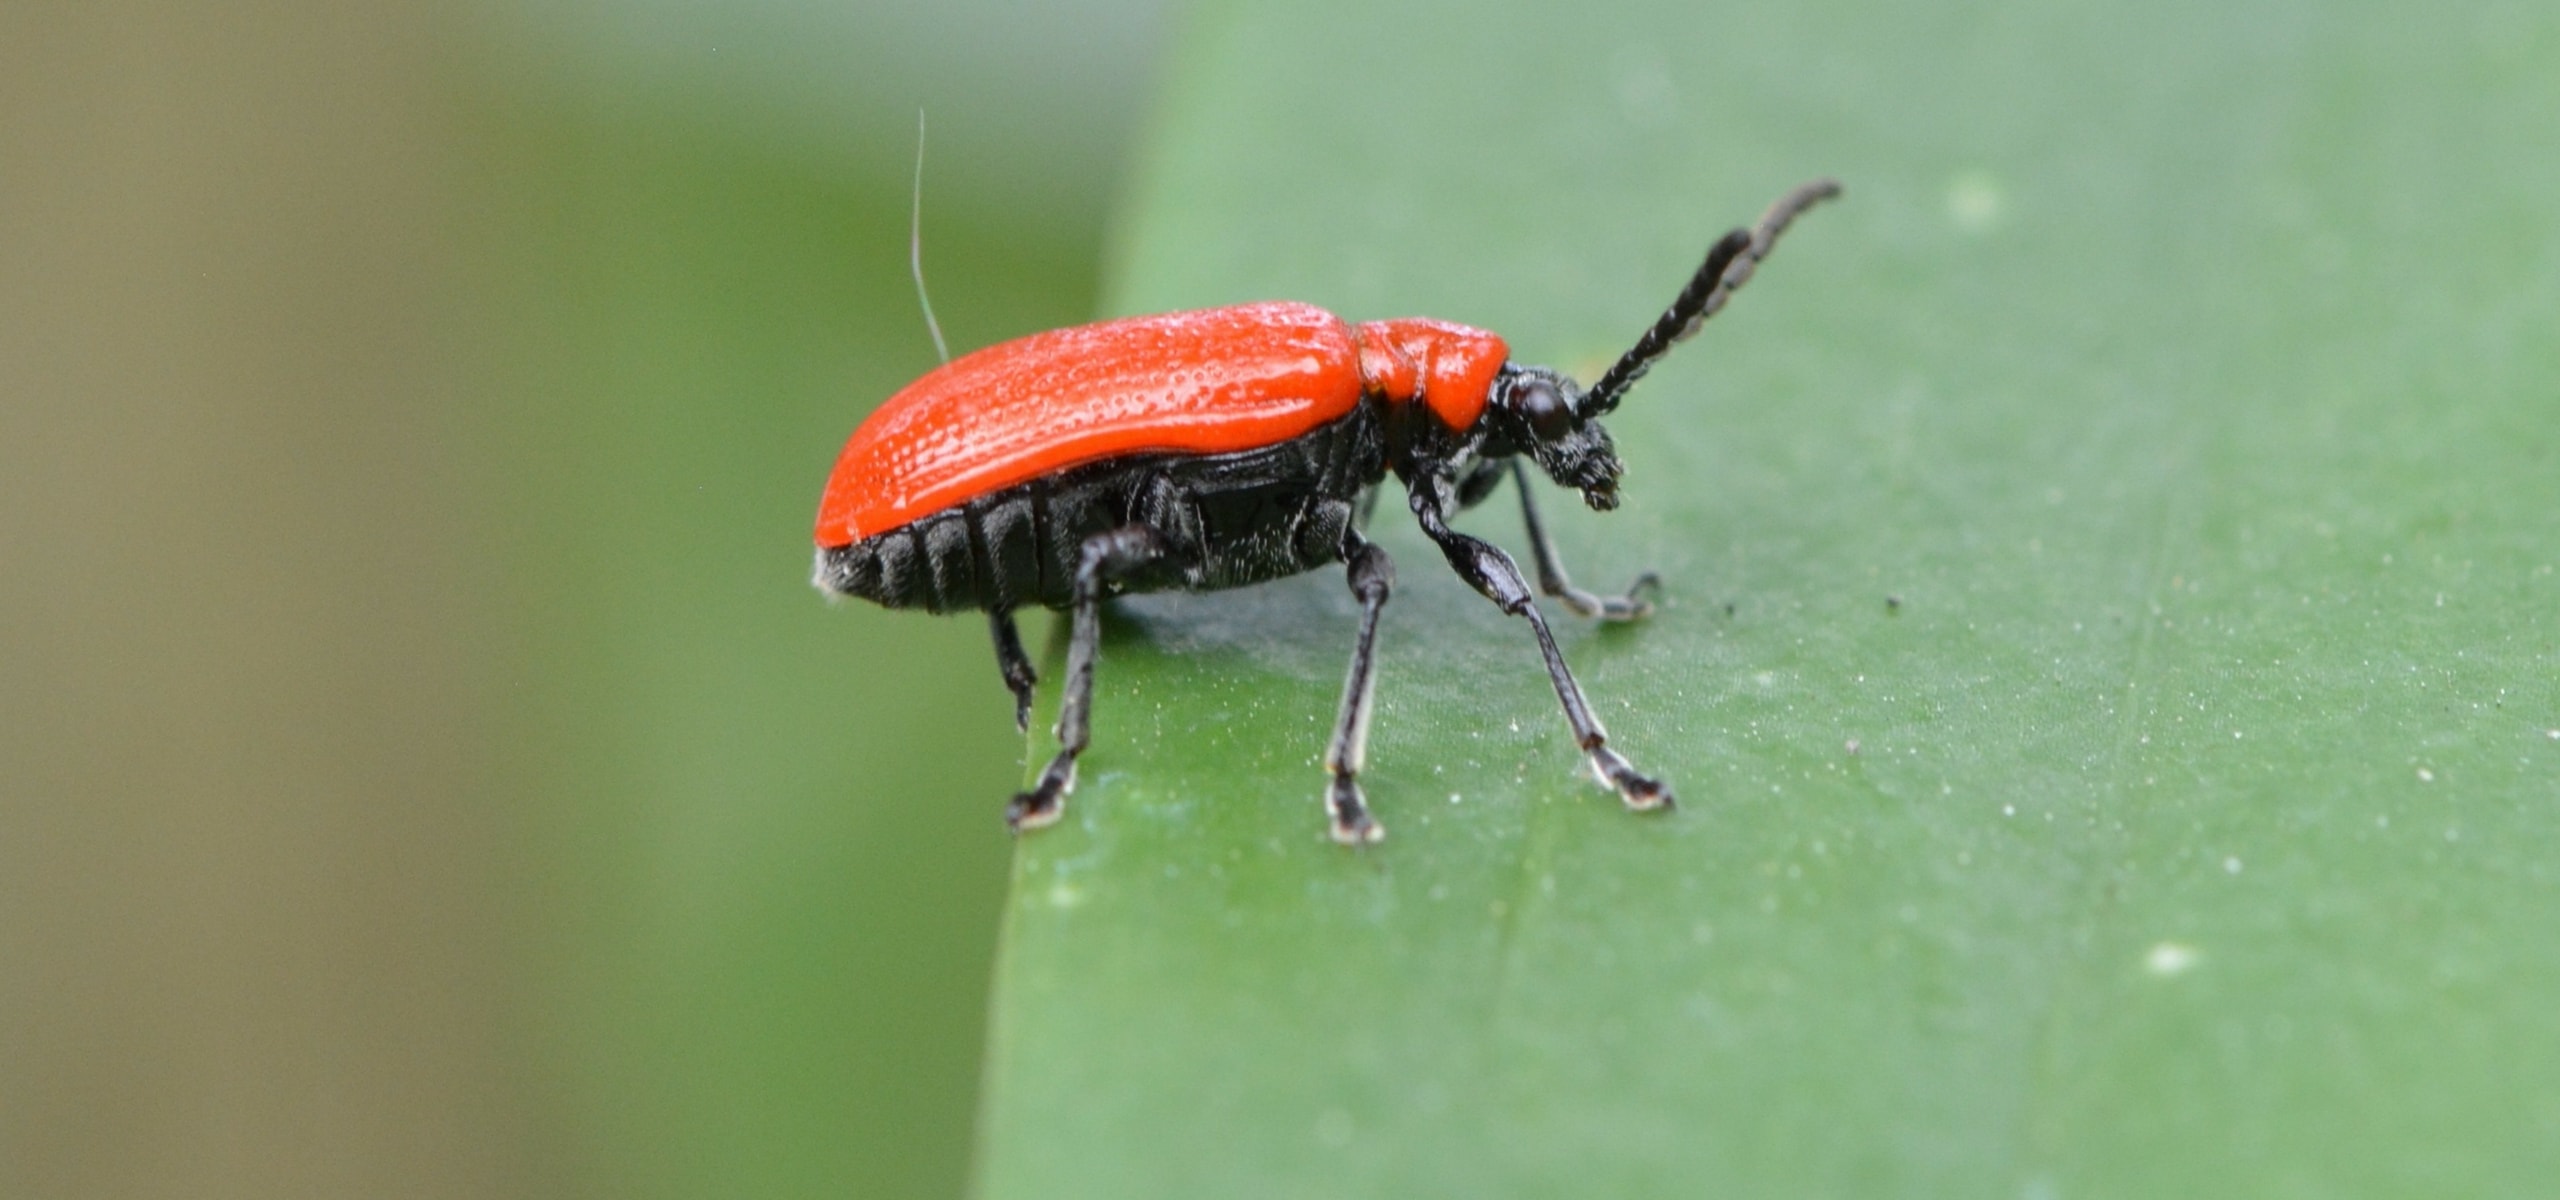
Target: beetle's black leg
1552	579
1486	568
1103	558
1015	665
1372	575
1479	482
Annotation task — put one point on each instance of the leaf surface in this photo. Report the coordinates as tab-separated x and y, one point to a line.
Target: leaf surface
2108	667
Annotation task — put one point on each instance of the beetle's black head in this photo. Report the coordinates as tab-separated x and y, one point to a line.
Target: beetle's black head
1538	412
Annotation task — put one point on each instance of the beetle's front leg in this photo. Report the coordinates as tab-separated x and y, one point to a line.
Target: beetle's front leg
1552	580
1487	569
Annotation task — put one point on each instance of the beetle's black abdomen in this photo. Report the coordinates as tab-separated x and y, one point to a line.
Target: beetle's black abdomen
998	553
1231	520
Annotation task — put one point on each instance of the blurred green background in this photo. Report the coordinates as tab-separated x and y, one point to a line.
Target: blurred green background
427	769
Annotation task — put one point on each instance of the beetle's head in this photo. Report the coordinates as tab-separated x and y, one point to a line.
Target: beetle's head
1540	413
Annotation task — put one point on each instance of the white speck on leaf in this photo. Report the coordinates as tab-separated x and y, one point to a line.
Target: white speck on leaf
2170	958
1976	202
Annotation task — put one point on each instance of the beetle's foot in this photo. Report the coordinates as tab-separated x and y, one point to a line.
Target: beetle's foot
1033	810
1634	605
1352	824
1041	807
1640	596
1637	603
1643	793
1021	683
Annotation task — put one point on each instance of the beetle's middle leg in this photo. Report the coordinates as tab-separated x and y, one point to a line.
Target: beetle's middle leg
1104	557
1372	575
1552	580
1487	569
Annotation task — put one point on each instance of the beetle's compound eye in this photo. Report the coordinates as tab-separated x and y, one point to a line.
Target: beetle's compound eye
1549	416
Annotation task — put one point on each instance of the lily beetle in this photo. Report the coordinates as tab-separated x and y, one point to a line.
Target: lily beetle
1229	446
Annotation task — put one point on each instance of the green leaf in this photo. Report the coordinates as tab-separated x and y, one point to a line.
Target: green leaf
2109	660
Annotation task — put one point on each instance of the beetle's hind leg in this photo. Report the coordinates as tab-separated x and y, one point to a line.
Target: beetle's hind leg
1104	557
1015	665
1634	605
1372	575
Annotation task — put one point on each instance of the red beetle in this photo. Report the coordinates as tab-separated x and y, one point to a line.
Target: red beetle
1228	446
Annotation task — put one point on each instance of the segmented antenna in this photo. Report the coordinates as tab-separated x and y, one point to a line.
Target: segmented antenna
915	245
1728	266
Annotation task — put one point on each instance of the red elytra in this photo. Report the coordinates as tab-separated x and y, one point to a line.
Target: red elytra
1202	382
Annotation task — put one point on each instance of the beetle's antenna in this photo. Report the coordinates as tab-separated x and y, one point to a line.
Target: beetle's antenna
1728	266
915	245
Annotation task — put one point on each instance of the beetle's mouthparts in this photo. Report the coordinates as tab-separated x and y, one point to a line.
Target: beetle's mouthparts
1597	476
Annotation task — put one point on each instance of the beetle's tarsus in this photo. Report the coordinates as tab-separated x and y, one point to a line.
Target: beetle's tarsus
1029	811
1015	666
1552	580
1022	696
1352	824
1640	597
1634	604
1041	807
1642	792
